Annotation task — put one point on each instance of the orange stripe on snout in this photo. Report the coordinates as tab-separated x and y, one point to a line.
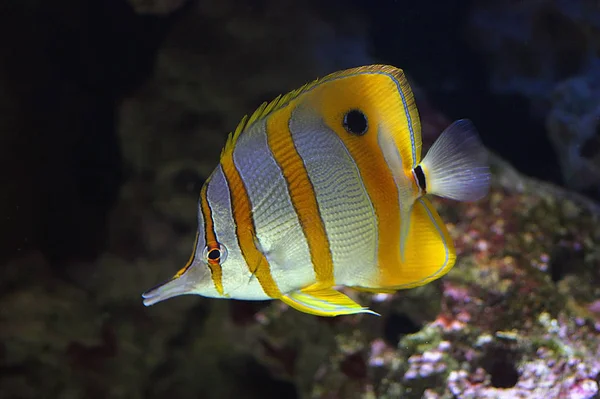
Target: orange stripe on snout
245	229
302	194
210	239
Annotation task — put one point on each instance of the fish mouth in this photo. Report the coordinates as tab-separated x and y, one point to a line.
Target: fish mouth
164	291
183	283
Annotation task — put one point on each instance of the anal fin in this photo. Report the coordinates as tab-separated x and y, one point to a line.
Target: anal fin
324	302
430	252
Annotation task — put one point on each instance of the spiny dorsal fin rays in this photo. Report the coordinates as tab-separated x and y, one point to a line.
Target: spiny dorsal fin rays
262	111
281	101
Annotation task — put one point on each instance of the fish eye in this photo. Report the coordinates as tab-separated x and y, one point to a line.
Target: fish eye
215	253
355	122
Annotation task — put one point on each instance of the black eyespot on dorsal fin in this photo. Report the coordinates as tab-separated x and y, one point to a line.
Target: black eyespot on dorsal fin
355	122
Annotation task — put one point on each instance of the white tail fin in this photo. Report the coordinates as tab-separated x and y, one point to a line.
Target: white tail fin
456	164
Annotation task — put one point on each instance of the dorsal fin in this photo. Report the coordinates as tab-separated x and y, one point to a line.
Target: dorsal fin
281	101
264	110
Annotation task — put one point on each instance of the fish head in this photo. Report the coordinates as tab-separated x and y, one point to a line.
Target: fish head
198	277
202	274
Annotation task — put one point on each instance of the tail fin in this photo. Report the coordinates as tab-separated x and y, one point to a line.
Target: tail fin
456	164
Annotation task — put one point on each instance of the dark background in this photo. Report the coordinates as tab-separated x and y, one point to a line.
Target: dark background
89	217
67	65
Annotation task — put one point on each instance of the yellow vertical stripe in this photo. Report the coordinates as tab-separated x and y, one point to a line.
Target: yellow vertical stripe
245	229
302	194
216	270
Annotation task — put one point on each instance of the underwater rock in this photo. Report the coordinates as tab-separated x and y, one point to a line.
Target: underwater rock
532	45
573	125
546	51
511	320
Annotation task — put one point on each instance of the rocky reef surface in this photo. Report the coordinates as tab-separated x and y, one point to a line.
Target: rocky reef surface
517	317
548	52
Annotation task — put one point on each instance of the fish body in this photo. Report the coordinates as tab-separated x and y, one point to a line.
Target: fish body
326	187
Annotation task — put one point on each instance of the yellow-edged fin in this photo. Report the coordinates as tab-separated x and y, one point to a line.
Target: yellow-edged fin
406	126
409	138
429	252
324	302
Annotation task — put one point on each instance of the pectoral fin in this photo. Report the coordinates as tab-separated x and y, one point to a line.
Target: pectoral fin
456	165
324	302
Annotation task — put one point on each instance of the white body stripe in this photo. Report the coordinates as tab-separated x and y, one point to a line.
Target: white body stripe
276	222
346	210
238	282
